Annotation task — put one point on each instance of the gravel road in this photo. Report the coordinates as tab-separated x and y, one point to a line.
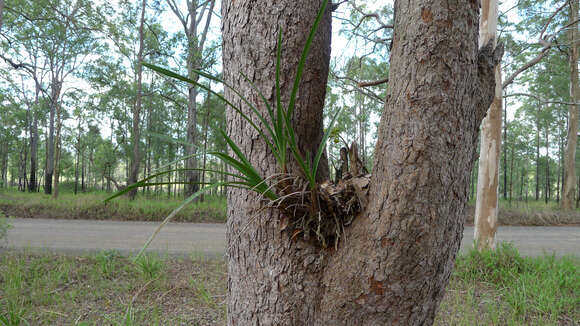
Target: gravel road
82	236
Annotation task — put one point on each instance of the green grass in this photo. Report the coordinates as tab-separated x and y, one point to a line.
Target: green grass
503	288
489	288
108	289
4	226
92	206
533	213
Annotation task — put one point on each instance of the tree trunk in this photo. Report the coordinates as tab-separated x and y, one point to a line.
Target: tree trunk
578	193
195	48
55	93
205	130
505	149
33	183
486	205
572	139
397	256
77	158
538	153
511	173
136	134
57	151
148	154
522	184
547	185
83	185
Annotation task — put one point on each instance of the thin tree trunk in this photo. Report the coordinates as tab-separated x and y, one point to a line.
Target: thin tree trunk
522	184
55	91
33	184
578	192
205	130
538	153
572	138
511	173
547	185
57	145
224	178
147	165
83	186
505	149
559	172
136	134
193	59
486	206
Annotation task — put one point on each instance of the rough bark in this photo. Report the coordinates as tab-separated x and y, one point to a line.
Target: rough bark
396	258
568	192
135	131
486	205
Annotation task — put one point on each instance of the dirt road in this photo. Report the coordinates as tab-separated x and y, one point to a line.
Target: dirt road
82	236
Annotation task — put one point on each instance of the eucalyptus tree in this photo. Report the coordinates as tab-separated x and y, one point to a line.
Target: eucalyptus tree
549	28
195	21
396	257
135	130
485	219
63	35
572	138
22	49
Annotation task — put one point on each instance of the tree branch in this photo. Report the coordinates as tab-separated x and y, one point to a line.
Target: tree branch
540	99
373	83
547	41
369	15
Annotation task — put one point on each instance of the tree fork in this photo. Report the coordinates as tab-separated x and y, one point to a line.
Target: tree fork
398	253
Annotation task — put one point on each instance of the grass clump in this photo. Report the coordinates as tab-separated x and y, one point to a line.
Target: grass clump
532	213
500	287
149	266
488	288
4	226
48	289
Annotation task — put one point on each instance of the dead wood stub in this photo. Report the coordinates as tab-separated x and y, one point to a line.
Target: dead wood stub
320	217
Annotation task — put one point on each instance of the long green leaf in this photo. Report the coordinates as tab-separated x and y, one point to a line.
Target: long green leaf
303	57
280	114
323	142
221	97
143	182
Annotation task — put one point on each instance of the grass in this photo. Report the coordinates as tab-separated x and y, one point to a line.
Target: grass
531	213
108	289
92	206
4	226
489	288
502	288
